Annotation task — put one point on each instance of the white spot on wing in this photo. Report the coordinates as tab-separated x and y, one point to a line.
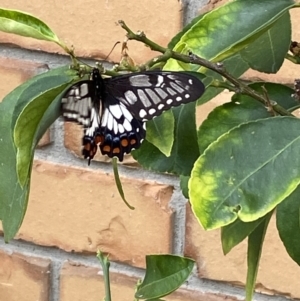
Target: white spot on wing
142	113
171	91
144	98
94	123
176	87
153	96
140	80
130	97
161	93
116	111
160	80
115	126
126	113
152	111
104	118
160	106
121	128
110	121
127	125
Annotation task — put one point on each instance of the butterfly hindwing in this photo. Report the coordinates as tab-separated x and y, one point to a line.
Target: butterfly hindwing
113	111
122	132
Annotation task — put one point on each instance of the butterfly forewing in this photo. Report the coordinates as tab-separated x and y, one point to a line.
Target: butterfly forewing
77	103
150	93
113	111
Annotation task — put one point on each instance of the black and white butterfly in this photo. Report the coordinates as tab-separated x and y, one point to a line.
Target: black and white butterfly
114	110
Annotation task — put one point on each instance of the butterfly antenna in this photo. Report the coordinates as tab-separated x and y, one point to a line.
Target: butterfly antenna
112	50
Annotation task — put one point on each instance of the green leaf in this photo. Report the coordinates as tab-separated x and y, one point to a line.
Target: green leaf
233	234
279	93
33	102
160	132
184	181
23	24
287	219
227	116
267	53
164	274
178	36
255	243
119	184
242	109
13	194
225	31
185	149
246	172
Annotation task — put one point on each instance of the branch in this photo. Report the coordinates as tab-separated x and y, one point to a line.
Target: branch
194	59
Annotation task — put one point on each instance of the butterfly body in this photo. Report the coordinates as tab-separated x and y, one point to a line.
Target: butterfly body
113	111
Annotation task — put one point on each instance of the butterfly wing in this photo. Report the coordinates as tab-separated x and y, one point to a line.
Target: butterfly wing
80	104
121	131
148	94
113	111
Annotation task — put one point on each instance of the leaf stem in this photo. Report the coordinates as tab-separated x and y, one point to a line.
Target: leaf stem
105	268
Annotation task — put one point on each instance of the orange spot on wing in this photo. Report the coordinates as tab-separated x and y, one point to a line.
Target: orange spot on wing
133	141
124	142
99	139
116	150
106	148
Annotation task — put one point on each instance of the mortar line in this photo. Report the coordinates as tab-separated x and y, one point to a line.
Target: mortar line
58	256
54	293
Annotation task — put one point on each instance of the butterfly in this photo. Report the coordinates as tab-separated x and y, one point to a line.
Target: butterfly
113	111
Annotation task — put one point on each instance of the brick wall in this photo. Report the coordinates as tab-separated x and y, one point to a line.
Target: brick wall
75	209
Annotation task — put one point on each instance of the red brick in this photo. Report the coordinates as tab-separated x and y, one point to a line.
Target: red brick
24	278
81	210
205	247
79	282
91	26
14	72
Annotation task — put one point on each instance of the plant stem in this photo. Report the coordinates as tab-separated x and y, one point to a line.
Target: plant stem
194	59
105	268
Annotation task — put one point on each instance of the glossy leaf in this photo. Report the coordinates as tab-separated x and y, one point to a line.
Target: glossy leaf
13	198
23	24
242	109
119	183
160	132
14	111
287	219
185	149
235	233
246	172
255	243
164	274
227	116
33	102
267	53
225	31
